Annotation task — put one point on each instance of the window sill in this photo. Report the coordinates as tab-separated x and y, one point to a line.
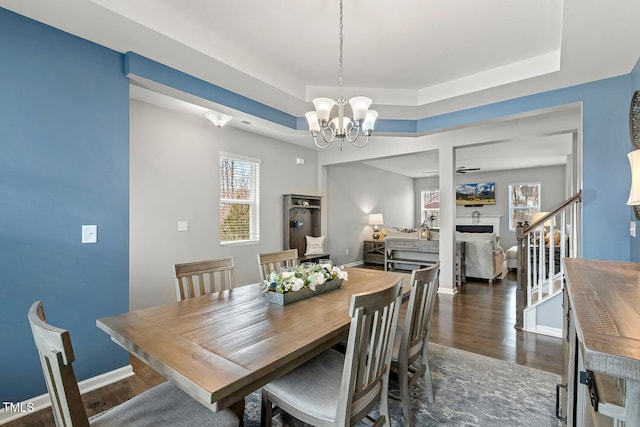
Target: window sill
240	243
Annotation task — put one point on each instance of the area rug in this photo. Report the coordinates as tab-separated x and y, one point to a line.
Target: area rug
469	389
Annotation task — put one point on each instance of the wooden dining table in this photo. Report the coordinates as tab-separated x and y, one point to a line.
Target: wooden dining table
221	347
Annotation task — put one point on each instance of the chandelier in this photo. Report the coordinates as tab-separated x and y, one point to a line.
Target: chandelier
340	126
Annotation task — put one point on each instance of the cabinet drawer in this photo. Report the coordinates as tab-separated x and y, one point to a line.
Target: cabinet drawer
402	244
373	258
429	246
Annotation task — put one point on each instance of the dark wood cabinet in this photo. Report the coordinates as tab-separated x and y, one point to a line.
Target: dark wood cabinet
302	218
373	252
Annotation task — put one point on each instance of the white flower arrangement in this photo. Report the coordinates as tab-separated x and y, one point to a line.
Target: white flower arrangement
302	276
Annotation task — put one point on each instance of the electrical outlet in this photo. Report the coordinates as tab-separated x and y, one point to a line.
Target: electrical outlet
346	252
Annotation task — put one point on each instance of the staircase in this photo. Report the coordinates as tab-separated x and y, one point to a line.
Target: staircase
541	247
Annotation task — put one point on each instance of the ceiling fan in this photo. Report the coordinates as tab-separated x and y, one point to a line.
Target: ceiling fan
464	169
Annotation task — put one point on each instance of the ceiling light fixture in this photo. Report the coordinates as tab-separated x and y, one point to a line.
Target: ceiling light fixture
341	127
218	119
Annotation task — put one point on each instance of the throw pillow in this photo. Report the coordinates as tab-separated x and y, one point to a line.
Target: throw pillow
315	245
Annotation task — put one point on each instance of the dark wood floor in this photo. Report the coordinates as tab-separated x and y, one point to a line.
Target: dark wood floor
478	319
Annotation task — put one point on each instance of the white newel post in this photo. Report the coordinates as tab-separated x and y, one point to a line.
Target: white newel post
447	221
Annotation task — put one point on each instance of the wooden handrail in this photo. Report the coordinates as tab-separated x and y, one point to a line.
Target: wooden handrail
528	228
522	230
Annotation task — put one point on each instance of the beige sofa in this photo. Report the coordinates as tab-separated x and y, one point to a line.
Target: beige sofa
484	258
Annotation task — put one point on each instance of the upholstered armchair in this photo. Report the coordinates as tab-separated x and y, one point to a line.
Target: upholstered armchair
484	258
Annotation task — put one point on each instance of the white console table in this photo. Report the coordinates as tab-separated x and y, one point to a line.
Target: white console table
421	253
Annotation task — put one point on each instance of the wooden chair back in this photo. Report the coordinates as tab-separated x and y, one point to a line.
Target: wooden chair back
275	261
365	378
203	277
56	357
415	331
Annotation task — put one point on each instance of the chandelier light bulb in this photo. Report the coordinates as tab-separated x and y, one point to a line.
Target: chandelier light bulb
312	119
369	121
359	107
323	108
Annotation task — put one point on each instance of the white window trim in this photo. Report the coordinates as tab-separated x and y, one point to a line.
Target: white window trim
255	221
511	208
422	201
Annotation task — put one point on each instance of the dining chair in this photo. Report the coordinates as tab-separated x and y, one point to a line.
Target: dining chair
203	277
162	405
275	261
412	338
335	389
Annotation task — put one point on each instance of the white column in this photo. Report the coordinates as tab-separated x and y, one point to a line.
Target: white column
447	160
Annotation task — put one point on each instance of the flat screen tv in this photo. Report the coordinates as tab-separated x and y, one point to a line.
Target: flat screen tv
482	193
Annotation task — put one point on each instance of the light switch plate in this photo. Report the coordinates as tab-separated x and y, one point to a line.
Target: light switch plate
89	234
183	225
632	229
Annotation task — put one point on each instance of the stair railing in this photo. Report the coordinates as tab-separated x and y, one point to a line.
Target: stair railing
541	246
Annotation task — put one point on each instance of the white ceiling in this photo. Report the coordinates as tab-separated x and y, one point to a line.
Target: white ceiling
415	58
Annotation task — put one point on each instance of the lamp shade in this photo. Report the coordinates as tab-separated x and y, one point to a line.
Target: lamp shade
376	219
634	192
547	223
359	106
312	120
323	108
369	121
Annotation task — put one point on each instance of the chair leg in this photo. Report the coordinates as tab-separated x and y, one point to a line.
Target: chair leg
384	400
403	381
427	372
267	410
427	380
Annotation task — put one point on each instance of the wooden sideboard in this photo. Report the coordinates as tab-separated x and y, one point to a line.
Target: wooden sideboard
373	252
601	347
418	253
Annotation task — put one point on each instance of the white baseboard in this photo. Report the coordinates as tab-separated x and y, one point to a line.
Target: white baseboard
353	264
447	291
43	401
546	330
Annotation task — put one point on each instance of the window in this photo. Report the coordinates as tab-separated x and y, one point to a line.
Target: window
524	200
431	207
239	199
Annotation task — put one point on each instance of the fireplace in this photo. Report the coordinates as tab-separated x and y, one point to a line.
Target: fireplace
481	224
474	228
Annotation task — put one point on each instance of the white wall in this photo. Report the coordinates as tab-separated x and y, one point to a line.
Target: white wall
353	191
552	193
174	177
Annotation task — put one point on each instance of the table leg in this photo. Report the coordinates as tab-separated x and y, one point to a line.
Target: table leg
238	409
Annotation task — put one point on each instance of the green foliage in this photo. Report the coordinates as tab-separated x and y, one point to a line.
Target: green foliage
236	225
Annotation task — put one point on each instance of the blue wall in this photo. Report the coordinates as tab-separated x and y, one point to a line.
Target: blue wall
605	146
64	162
635	242
64	153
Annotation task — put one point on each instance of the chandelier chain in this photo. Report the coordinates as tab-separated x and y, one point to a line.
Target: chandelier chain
341	126
340	66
